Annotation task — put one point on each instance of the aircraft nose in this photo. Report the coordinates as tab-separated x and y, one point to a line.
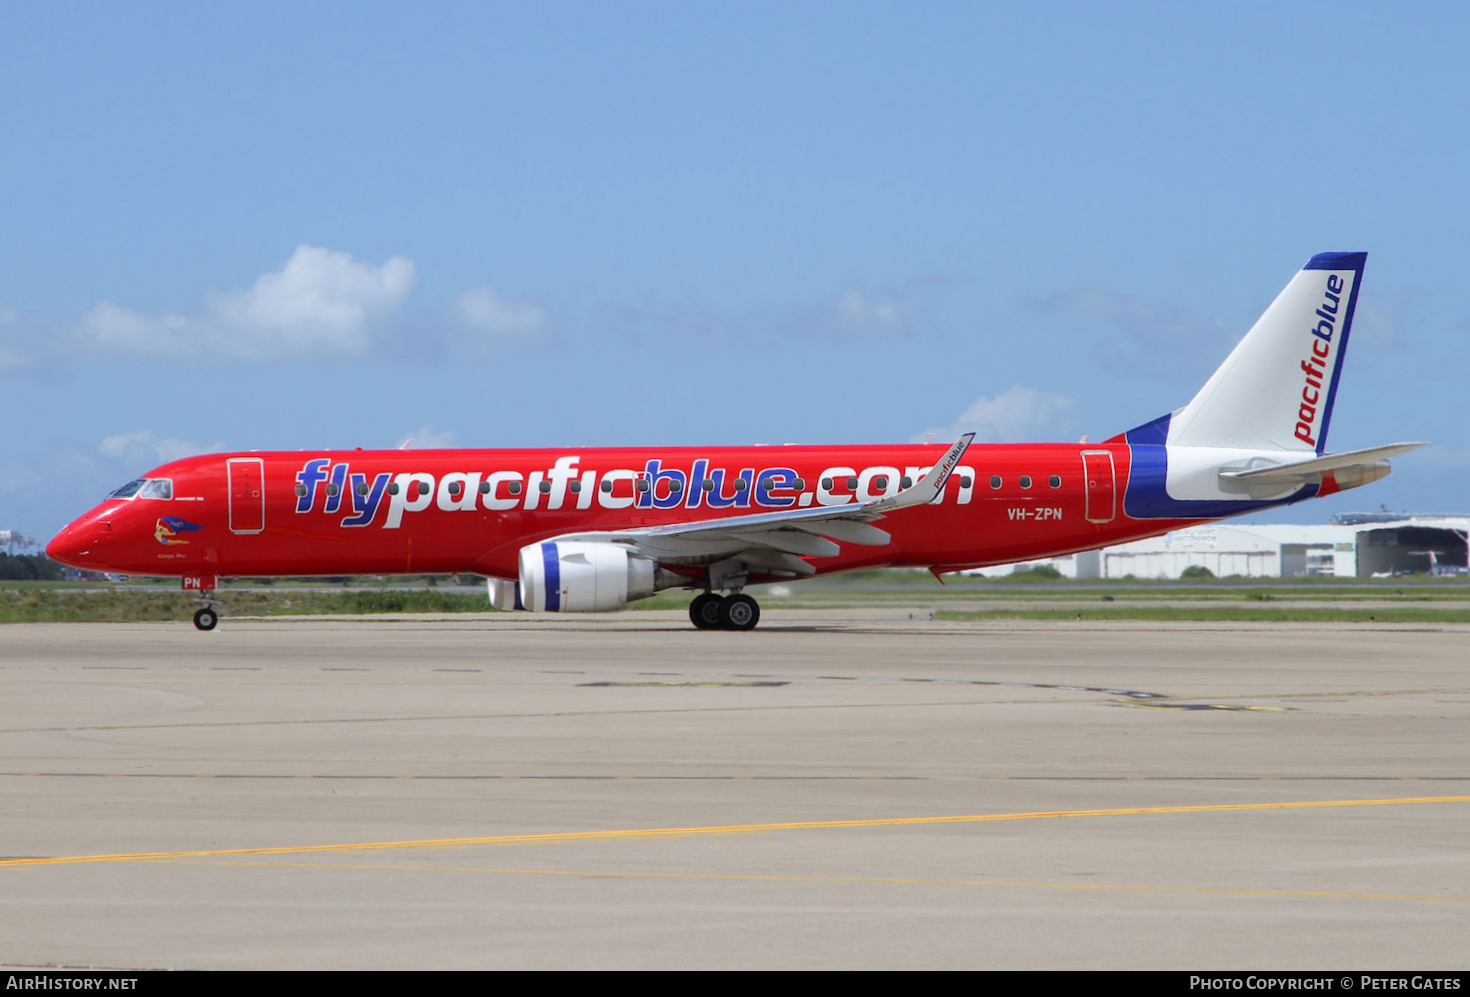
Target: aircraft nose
64	547
76	545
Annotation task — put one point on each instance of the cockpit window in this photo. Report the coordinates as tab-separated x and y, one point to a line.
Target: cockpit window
130	489
158	488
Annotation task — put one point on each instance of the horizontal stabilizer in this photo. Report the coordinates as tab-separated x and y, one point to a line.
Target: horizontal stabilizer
1301	470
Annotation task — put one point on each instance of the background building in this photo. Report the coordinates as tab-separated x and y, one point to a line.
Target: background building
1353	545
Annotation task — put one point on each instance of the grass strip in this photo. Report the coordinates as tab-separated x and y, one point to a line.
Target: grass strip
122	605
1396	614
42	605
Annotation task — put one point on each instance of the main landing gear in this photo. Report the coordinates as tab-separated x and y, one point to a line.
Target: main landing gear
731	612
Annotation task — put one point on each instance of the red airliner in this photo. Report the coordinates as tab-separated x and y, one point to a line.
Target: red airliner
589	530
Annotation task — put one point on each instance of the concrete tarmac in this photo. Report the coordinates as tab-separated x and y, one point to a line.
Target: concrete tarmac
862	788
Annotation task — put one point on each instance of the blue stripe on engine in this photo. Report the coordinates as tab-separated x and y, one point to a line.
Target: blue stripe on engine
553	578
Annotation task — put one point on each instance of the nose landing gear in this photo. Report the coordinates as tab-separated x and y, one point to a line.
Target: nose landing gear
206	617
734	612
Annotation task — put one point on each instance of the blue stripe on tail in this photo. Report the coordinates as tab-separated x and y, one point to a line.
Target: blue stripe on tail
1146	496
1338	261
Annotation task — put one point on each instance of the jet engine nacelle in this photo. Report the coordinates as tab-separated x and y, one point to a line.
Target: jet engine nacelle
576	577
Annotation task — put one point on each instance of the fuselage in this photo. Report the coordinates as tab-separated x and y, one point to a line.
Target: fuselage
385	512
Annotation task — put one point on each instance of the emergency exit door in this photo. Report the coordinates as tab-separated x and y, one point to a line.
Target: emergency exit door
247	494
1098	474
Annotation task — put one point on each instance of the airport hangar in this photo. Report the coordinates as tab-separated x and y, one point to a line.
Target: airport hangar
1352	545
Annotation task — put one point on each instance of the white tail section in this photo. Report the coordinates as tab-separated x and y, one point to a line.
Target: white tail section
1275	390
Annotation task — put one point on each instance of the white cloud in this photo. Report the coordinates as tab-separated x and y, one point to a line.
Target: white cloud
485	311
320	305
859	312
12	359
1156	338
41	492
659	319
142	447
1380	318
427	439
1438	454
16	341
1019	415
866	313
854	313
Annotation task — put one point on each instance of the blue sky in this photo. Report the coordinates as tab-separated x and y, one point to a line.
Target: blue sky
284	226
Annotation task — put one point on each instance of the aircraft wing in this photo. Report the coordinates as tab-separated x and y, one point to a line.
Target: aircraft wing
1287	473
778	540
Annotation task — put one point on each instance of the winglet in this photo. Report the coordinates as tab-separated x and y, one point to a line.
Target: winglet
930	485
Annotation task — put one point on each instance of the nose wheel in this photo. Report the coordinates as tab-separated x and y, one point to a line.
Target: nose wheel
206	618
733	612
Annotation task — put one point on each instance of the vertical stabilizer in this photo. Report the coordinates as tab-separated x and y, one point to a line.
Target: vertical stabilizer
1276	389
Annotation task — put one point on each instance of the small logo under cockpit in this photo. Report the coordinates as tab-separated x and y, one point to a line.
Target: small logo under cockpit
169	527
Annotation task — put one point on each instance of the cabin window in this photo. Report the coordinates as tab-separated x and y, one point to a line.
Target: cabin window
966	481
300	490
1055	481
158	488
1025	481
514	488
827	484
880	482
575	486
362	488
995	481
606	486
905	482
129	490
852	484
545	487
675	486
799	484
392	488
332	489
642	484
707	485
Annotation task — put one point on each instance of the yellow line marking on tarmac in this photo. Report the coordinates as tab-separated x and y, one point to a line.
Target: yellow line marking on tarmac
738	877
653	832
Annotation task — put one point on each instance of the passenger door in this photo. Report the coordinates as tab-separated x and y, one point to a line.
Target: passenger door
247	494
1098	473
